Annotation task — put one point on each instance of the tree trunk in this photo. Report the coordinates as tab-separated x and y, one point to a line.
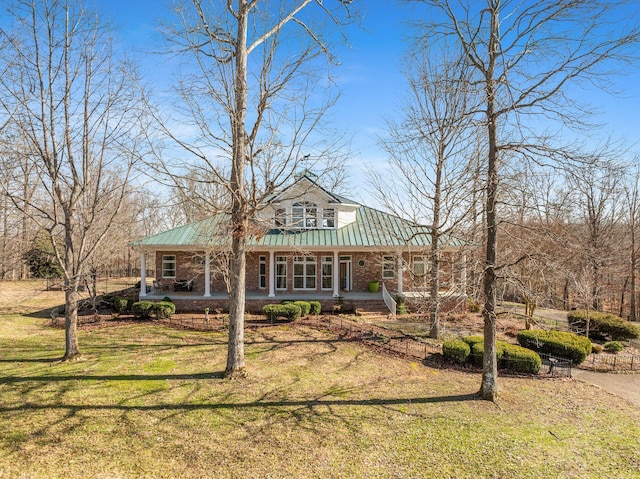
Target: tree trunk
435	245
72	351
239	217
435	289
489	386
235	350
634	266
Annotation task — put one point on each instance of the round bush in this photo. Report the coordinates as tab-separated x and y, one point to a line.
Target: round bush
289	311
305	307
519	359
119	304
471	340
164	309
558	343
142	309
613	346
604	325
596	348
456	350
316	307
477	352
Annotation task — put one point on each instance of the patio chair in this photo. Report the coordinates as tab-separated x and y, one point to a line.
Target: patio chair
158	287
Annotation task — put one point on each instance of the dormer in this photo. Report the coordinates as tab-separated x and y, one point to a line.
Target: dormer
306	205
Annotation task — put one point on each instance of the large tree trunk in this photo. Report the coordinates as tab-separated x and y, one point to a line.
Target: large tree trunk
239	219
235	350
435	289
72	351
489	386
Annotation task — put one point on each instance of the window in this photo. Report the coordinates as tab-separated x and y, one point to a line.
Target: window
304	272
169	266
327	272
281	217
281	272
262	272
328	218
420	268
388	267
304	215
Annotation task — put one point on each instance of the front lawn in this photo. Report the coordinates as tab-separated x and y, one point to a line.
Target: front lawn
149	401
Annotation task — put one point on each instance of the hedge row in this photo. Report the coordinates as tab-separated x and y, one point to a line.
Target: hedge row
288	311
558	343
456	350
307	307
510	356
144	309
604	325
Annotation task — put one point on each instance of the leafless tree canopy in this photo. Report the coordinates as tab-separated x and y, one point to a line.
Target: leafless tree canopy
252	95
71	112
524	58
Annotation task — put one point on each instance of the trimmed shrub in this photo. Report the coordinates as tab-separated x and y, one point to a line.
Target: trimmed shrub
142	309
456	350
471	340
164	309
167	299
119	304
596	348
316	307
289	311
604	325
613	347
305	307
558	343
519	359
477	352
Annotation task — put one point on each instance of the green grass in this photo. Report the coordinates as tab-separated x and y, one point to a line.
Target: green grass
148	401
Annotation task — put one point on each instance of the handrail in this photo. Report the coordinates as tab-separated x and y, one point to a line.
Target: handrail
388	300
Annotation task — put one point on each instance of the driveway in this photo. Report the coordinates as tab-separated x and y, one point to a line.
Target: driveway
626	386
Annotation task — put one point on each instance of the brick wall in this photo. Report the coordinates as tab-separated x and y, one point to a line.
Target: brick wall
365	267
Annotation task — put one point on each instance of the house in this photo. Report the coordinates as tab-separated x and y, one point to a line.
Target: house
307	243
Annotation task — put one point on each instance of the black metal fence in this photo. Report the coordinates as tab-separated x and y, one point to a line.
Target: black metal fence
410	347
612	362
554	366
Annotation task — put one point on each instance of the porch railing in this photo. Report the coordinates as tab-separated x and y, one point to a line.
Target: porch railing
388	300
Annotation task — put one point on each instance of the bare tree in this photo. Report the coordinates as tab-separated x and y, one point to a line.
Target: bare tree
430	150
632	201
523	67
597	194
75	111
252	96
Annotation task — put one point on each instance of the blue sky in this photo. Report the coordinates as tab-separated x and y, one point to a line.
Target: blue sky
369	76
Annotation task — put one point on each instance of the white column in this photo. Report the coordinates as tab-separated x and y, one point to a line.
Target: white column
207	275
399	273
272	274
335	269
143	274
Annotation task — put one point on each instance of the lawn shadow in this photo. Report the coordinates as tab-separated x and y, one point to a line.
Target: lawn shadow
306	403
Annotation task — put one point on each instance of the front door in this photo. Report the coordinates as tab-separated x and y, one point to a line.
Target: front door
345	273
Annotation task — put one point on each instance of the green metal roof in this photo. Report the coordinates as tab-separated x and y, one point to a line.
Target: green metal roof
372	228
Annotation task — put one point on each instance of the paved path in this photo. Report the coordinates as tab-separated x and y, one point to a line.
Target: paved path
626	386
